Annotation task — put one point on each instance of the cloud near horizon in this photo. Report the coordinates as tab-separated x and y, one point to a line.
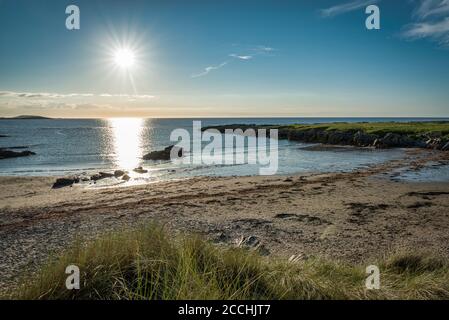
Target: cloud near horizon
73	103
12	94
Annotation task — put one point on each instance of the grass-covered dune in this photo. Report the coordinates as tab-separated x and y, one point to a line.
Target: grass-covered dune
149	263
432	134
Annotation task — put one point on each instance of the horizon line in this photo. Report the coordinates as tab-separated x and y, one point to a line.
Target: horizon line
39	117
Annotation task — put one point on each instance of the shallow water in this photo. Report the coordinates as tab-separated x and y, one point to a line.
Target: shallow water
89	145
432	172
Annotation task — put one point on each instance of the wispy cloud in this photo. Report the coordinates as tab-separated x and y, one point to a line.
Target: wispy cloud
233	55
209	69
346	7
432	22
437	31
429	8
254	51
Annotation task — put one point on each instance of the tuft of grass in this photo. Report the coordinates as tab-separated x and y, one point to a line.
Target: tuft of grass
149	263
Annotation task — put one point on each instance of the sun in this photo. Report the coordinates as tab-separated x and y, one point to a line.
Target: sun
124	58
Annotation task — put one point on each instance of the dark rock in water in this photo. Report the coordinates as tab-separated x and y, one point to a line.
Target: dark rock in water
101	175
119	173
65	182
3	136
164	154
106	174
126	177
140	170
5	154
95	177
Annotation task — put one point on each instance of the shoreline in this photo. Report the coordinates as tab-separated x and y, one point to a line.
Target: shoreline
347	216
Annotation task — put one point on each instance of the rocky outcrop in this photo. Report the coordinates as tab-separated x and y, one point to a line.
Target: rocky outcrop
65	182
101	175
119	173
363	139
359	138
69	181
164	154
436	144
394	140
5	154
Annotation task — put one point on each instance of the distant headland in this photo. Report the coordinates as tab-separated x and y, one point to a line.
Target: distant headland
24	117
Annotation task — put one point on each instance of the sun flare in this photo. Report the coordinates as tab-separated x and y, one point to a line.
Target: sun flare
124	58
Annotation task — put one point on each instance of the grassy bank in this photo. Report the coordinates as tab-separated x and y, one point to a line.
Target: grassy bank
429	135
378	128
381	128
149	263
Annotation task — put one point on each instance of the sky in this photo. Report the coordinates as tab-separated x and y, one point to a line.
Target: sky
234	58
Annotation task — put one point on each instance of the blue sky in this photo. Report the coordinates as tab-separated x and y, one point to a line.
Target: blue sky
225	58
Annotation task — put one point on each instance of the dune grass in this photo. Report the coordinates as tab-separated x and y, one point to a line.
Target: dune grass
149	263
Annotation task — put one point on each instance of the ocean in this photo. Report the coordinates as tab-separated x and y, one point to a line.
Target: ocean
75	146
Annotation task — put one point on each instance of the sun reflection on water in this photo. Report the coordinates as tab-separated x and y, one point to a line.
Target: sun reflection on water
127	142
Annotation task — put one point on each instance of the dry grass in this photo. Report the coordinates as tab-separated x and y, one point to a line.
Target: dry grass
148	263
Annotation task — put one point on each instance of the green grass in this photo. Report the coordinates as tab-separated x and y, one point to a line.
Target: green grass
381	128
149	263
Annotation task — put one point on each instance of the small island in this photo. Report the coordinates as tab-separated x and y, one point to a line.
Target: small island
25	117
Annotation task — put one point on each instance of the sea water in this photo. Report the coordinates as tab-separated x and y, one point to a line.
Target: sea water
74	146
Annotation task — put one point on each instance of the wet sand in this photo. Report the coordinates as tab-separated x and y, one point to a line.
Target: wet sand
349	216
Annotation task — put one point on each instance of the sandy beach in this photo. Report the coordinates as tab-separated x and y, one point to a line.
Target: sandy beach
348	216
